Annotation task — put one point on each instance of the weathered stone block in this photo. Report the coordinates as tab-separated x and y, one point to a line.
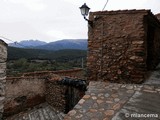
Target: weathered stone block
3	51
2	68
3	58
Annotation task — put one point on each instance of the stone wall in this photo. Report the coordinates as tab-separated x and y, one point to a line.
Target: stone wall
3	58
118	47
23	93
77	73
55	94
63	97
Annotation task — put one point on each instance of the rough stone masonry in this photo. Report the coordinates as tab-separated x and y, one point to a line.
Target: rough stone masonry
122	45
3	58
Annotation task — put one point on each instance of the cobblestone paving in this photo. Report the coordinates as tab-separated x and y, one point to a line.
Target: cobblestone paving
111	101
40	112
106	101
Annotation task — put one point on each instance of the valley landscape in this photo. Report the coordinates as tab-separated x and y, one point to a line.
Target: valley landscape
35	55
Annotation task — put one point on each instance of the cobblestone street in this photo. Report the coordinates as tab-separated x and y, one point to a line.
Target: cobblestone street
111	101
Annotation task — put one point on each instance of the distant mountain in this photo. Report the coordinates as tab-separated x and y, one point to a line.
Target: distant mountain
80	44
27	43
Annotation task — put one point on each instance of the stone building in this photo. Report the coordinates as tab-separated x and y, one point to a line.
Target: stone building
122	45
3	58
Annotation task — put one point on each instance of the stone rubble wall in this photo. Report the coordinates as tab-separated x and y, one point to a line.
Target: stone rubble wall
55	95
77	73
29	90
117	46
23	93
60	96
3	58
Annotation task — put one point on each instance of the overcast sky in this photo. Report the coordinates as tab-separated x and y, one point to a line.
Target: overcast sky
50	20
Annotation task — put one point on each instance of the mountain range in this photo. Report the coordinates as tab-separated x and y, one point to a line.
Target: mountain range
80	44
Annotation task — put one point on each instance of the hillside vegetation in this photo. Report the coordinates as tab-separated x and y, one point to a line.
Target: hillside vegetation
21	60
30	54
